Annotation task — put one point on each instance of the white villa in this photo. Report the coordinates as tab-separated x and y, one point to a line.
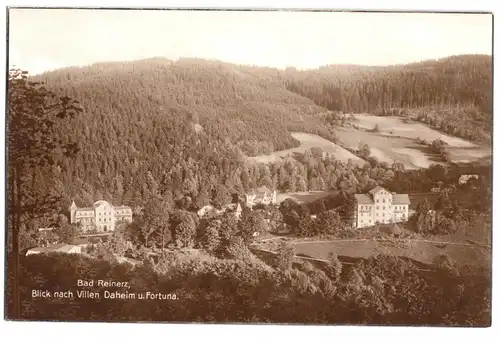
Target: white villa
261	195
380	206
102	215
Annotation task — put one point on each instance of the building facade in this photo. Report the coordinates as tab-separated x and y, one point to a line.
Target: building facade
262	195
380	206
101	217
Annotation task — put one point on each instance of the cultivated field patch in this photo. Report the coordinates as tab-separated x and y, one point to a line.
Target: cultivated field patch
397	126
468	154
308	141
395	140
387	148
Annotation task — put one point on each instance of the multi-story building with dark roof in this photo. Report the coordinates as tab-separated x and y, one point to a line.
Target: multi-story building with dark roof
102	216
380	205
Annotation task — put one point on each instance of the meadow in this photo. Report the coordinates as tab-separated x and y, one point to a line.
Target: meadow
395	140
396	126
303	196
308	141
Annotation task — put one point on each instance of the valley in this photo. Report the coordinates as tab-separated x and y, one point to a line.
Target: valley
246	145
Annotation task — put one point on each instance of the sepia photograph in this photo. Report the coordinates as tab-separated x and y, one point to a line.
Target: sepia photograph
249	166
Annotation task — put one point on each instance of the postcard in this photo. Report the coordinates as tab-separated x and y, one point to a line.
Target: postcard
249	166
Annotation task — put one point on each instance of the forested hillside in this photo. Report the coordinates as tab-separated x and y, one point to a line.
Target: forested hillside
252	110
452	94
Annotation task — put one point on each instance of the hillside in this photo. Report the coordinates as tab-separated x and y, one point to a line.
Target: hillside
253	111
452	94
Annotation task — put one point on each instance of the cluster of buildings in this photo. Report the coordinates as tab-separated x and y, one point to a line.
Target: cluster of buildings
262	195
378	206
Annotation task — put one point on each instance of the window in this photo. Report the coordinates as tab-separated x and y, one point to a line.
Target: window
99	219
383	200
377	207
383	207
377	200
377	214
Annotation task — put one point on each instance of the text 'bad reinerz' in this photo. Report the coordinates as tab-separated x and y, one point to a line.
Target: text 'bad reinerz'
85	294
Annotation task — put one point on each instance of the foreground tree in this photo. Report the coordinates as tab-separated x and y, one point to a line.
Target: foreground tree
67	233
253	223
334	267
34	114
284	256
156	219
184	228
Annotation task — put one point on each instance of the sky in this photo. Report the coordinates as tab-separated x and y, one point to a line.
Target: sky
46	39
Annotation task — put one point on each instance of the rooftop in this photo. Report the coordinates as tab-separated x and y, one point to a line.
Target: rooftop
400	199
261	190
396	199
376	189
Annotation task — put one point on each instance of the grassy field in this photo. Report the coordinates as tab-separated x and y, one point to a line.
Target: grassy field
468	154
395	141
308	141
303	196
424	252
387	148
396	126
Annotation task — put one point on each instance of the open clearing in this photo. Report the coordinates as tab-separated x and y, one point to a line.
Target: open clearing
395	141
396	126
386	148
303	196
424	252
308	141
